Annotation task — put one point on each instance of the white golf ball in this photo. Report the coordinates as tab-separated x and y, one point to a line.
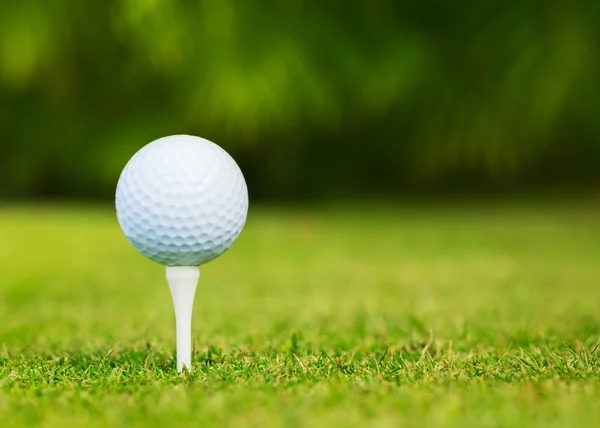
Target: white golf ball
181	201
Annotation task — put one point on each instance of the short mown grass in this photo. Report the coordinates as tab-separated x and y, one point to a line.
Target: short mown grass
372	315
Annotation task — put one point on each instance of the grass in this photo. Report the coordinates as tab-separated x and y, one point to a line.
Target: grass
374	316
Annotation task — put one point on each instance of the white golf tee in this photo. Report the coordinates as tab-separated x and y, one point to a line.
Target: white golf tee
183	281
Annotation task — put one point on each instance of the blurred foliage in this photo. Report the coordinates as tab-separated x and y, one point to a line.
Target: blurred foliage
312	98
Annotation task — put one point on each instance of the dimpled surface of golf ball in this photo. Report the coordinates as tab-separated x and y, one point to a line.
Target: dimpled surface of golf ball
181	201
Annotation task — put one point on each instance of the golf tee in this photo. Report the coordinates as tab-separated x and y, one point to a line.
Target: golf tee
182	282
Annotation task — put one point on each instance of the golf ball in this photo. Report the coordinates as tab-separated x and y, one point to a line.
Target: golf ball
181	201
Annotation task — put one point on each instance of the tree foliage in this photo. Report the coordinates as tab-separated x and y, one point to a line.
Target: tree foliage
311	97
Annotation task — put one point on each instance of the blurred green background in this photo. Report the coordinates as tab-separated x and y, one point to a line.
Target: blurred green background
373	98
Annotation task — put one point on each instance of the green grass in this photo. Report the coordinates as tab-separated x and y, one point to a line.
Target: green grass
373	316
